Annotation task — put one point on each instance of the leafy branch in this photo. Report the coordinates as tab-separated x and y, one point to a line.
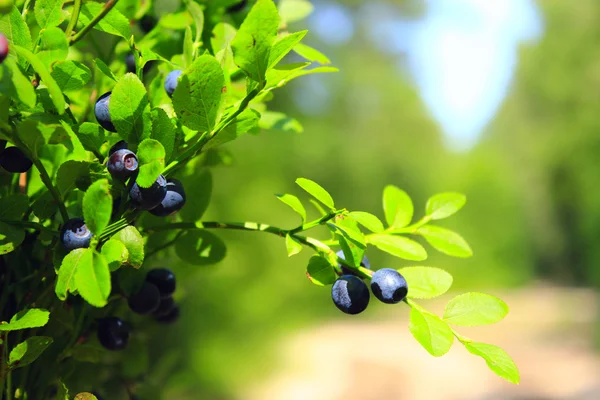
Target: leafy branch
105	10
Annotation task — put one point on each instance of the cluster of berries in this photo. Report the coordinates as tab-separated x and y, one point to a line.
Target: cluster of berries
154	298
351	295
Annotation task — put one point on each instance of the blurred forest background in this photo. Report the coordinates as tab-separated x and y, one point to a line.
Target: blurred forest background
530	169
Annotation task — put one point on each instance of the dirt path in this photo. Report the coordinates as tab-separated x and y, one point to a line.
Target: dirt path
548	333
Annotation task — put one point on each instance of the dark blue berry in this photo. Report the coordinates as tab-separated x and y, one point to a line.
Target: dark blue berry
147	23
172	81
148	198
164	279
3	48
120	145
174	199
113	333
171	317
75	234
130	63
103	114
122	164
389	286
146	300
12	159
350	294
347	271
165	307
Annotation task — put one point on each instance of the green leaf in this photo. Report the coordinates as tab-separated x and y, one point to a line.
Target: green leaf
55	93
66	274
92	278
426	282
198	187
97	206
102	67
28	351
31	136
294	10
197	98
151	156
134	242
71	75
252	44
16	85
272	120
282	74
48	13
431	332
293	246
198	16
283	46
70	173
91	136
443	205
44	206
294	203
446	241
16	32
113	23
63	392
398	246
397	206
188	47
367	220
496	359
200	248
13	206
475	309
130	110
349	229
311	54
315	190
164	131
246	122
320	271
53	46
31	318
115	253
10	238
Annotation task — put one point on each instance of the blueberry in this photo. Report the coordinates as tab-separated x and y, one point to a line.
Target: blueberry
347	271
237	7
103	114
122	164
120	145
148	198
172	81
3	48
75	234
130	63
389	286
12	159
147	23
350	294
113	333
164	279
146	300
174	199
171	317
166	306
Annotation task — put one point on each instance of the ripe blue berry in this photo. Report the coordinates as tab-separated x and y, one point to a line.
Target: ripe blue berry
171	317
165	307
75	234
350	294
174	200
103	114
12	159
3	48
113	333
148	198
122	164
164	279
120	145
130	63
146	300
346	271
389	286
172	81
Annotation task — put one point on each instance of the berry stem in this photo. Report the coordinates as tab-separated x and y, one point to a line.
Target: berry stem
315	223
79	35
74	18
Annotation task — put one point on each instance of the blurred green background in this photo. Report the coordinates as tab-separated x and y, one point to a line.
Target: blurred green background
530	174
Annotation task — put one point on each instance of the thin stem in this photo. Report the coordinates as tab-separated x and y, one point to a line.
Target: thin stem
3	353
74	18
25	8
315	223
411	228
9	389
164	246
107	7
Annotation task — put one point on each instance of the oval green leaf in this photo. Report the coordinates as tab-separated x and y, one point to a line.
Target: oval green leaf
320	271
317	191
426	282
294	203
369	221
398	246
474	309
293	246
151	156
31	318
200	247
134	242
431	332
397	206
446	241
496	359
92	278
97	206
28	351
443	205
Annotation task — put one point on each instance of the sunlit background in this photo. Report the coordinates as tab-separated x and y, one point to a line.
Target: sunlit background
498	99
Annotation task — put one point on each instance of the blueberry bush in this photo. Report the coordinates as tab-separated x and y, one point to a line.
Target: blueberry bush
104	144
